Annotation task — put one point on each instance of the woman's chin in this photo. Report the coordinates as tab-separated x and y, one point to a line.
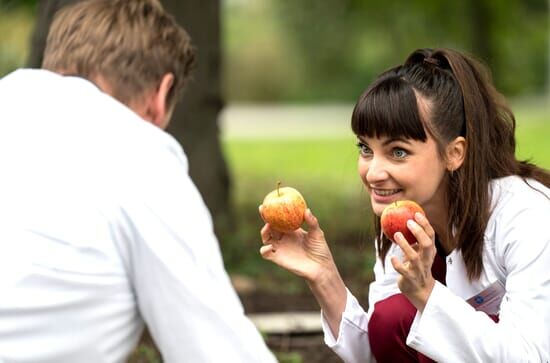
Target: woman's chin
377	208
378	203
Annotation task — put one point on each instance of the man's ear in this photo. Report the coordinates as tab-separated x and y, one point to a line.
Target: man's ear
157	110
455	153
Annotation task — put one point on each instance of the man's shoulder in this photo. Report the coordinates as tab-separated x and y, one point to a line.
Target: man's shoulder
71	114
28	77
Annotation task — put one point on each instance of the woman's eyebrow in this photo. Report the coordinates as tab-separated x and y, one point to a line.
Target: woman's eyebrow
395	139
388	140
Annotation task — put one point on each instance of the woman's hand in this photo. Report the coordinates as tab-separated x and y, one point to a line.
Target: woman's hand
416	281
304	253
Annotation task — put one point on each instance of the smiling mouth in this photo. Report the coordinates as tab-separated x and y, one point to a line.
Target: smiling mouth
385	192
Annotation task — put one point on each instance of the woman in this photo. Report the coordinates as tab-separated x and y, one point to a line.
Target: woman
476	285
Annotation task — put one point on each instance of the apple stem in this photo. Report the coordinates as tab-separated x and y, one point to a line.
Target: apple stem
278	186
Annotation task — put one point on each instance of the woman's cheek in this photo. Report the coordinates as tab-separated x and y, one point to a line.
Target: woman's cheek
362	168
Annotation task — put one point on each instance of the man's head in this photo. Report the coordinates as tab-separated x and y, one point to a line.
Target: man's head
133	49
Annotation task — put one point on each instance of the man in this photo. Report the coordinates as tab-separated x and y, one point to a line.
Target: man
101	228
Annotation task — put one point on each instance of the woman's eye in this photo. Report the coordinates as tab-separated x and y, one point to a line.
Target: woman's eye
399	153
364	149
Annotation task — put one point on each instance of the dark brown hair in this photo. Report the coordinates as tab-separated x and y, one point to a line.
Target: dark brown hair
462	102
130	43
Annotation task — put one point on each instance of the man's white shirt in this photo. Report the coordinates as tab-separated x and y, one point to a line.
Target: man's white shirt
101	230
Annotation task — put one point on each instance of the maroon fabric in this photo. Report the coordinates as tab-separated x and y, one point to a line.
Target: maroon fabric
439	269
391	321
389	326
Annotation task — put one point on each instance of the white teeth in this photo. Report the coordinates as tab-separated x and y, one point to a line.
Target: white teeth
385	193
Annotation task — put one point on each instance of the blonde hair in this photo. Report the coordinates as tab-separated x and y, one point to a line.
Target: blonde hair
129	43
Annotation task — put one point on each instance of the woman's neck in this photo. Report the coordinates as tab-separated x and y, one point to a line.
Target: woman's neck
438	217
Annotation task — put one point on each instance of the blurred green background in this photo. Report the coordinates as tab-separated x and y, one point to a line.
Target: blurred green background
312	51
292	70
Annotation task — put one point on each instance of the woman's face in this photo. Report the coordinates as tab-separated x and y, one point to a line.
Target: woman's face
397	169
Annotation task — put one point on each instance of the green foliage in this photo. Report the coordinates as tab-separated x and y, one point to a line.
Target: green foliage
16	24
145	353
295	51
17	4
324	170
533	130
290	357
330	50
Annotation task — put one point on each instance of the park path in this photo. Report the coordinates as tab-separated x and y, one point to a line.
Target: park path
285	121
325	119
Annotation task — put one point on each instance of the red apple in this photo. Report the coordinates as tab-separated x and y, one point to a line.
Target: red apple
284	209
395	216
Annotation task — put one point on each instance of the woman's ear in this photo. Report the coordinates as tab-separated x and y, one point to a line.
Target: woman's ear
455	153
158	111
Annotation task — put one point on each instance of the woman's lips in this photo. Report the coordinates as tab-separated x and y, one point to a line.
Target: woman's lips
385	192
384	195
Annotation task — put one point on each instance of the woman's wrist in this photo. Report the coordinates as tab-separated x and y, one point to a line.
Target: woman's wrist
330	292
420	298
325	279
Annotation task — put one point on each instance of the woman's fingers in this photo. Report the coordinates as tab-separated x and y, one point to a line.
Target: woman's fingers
424	234
423	222
418	258
410	254
403	267
311	220
269	235
260	207
397	265
314	230
408	250
266	234
267	251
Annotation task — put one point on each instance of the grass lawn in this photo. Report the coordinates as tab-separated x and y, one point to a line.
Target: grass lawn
533	134
324	171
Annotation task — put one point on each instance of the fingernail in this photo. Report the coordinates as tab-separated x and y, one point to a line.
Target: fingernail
419	216
410	223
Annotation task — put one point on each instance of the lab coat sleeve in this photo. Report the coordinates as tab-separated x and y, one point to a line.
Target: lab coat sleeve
450	330
352	343
183	291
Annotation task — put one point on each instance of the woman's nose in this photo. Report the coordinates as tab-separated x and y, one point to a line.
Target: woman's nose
376	171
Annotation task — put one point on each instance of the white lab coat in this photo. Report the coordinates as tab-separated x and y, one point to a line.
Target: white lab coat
102	230
516	254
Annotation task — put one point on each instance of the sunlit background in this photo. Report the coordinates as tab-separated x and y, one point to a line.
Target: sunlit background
291	72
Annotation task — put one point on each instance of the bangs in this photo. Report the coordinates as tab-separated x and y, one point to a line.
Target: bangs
388	109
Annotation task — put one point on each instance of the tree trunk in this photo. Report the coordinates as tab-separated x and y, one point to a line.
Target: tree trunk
194	123
481	19
44	16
